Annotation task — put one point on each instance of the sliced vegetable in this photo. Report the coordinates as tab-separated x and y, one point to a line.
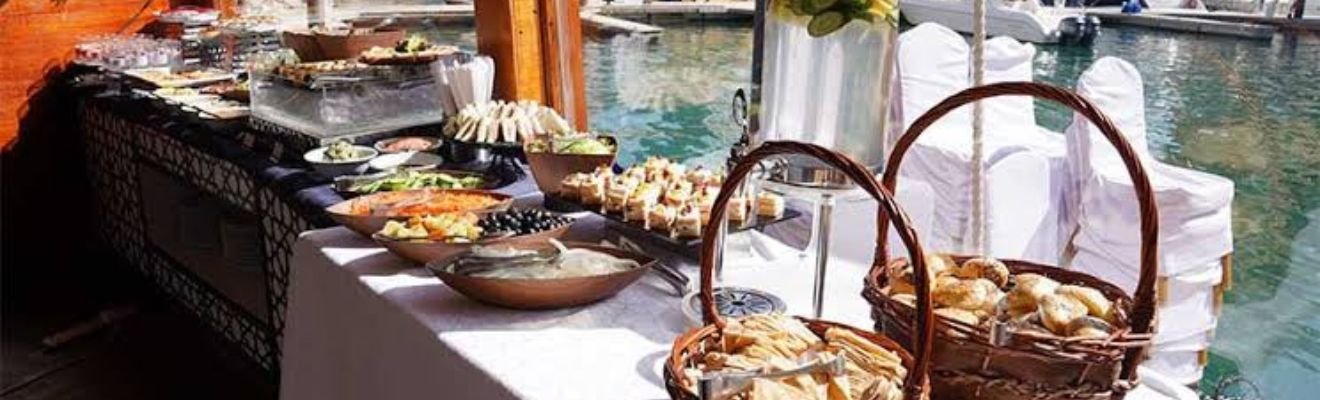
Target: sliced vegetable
418	180
826	23
815	7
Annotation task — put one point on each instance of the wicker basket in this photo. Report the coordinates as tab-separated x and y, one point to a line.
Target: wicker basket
996	363
693	344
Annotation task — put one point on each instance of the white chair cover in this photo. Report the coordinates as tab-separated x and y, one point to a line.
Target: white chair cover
1008	60
1016	178
1195	219
934	63
1195	207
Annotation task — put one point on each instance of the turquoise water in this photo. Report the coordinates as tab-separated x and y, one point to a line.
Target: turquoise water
1246	110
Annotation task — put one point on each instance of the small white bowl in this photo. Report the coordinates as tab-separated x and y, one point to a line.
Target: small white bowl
407	159
331	169
435	143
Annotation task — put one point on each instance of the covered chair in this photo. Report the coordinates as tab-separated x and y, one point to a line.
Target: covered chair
1195	210
1023	164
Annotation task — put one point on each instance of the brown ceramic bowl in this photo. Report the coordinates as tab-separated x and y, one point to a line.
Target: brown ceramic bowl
424	251
544	294
339	45
367	225
549	169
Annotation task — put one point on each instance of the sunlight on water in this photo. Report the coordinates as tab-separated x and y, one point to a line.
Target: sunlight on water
1246	110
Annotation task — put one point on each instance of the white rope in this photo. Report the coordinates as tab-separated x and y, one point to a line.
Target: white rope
978	152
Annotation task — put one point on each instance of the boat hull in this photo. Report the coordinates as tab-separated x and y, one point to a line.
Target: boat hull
1040	26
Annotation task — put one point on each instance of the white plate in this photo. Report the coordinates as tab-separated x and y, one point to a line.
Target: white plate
405	159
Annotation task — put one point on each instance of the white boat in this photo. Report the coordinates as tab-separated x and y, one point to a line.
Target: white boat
1024	20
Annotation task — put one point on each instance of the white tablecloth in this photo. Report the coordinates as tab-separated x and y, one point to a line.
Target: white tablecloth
364	324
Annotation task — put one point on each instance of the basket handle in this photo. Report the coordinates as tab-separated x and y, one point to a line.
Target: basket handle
859	174
1144	298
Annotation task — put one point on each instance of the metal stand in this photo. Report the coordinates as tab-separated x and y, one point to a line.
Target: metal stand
821	235
822	224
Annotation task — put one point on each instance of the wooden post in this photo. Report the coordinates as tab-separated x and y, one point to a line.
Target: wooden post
227	8
561	41
537	52
509	31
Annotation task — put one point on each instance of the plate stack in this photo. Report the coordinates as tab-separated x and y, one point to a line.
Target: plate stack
189	25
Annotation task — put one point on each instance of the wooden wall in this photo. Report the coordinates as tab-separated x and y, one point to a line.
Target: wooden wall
37	38
45	191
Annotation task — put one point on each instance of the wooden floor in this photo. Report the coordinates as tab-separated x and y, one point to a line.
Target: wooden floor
158	353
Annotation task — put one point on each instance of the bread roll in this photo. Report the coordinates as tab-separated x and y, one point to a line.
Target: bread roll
984	268
901	280
1058	312
970	295
1028	292
1090	327
960	315
939	264
1096	303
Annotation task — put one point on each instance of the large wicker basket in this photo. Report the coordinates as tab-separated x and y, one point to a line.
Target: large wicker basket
693	344
997	363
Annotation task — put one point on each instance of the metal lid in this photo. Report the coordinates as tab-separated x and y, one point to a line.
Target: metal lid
734	302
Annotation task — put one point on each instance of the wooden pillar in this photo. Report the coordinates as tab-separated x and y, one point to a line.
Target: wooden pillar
509	31
227	8
537	52
561	42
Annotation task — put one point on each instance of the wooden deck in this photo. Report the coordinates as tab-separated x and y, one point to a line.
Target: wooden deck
1189	24
601	19
608	25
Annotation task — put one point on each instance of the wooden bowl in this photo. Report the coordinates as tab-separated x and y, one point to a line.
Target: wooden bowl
303	43
321	46
549	169
368	225
424	251
544	294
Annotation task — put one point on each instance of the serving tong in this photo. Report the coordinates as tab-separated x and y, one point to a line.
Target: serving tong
720	385
671	275
472	262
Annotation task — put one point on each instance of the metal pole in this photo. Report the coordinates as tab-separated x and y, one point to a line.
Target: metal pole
758	56
824	214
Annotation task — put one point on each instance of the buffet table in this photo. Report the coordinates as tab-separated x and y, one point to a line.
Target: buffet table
139	152
365	324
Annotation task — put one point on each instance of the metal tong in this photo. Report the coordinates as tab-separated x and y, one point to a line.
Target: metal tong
470	263
676	280
716	385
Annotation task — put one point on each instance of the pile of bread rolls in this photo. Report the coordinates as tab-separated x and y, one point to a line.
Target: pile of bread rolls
983	291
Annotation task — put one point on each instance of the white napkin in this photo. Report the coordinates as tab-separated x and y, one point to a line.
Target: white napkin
461	84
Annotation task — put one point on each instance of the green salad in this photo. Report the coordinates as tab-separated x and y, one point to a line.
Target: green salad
341	151
407	180
580	146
